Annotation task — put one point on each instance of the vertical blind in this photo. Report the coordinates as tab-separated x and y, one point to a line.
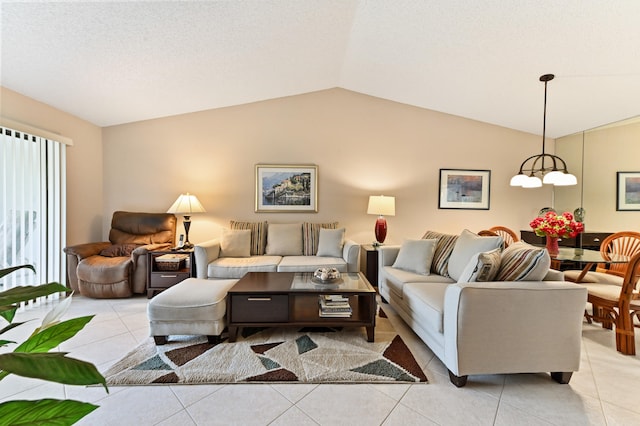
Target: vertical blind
32	207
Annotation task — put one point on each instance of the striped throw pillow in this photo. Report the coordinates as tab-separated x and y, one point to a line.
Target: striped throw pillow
444	248
258	234
523	262
311	235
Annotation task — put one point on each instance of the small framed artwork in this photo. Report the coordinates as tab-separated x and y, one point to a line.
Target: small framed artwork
286	188
628	191
464	189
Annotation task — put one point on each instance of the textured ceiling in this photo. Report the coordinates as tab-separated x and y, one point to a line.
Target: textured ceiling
112	63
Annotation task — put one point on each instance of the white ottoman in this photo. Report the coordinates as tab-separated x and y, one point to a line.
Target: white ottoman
193	306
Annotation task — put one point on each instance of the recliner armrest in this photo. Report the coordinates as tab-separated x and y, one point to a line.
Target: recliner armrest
82	251
206	253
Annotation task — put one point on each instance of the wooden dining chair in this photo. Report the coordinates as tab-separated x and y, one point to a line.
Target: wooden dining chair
609	277
625	243
618	305
507	235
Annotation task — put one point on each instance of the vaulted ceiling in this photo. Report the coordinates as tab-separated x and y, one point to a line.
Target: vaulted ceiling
112	63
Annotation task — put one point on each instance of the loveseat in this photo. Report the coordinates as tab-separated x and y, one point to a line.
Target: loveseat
269	247
484	310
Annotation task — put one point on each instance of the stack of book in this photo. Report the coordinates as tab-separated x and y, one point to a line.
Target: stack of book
334	305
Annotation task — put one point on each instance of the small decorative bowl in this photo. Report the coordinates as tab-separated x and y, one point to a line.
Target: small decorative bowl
326	275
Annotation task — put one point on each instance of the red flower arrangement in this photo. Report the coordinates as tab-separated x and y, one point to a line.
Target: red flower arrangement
555	225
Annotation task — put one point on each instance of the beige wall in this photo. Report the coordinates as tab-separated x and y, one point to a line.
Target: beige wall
607	151
84	161
362	146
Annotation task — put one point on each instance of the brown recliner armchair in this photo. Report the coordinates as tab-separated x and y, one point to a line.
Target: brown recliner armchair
118	268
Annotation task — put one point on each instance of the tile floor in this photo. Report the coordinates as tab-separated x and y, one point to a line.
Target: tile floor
603	392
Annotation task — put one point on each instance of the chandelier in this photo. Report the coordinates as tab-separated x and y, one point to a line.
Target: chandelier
543	168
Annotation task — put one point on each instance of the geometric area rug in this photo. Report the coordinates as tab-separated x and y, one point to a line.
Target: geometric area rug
270	355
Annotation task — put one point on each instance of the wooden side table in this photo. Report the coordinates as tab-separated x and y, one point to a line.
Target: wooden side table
369	263
159	279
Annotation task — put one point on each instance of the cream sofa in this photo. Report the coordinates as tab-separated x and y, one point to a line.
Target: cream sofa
264	247
530	323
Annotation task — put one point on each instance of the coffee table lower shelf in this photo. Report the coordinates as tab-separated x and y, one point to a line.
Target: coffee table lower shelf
295	310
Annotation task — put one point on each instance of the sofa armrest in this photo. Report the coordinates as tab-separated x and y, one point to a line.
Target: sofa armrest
512	327
206	253
387	255
554	275
351	255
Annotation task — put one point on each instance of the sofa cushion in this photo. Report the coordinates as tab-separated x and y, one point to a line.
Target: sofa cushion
236	267
416	256
467	245
311	263
395	279
440	262
235	243
330	242
426	302
482	267
258	234
311	235
523	262
284	239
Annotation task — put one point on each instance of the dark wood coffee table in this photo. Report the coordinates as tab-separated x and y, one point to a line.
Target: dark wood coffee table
283	299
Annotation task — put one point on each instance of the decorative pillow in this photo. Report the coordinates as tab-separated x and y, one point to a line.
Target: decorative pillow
467	245
258	234
330	242
119	250
523	262
416	256
284	240
482	267
440	262
310	235
235	243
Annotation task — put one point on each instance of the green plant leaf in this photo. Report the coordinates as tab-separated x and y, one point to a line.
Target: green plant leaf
26	293
51	337
10	326
5	342
7	271
44	412
8	312
53	367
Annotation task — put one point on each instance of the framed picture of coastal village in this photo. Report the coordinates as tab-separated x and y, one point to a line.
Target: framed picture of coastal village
286	188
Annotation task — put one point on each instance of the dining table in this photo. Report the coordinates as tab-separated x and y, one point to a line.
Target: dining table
587	258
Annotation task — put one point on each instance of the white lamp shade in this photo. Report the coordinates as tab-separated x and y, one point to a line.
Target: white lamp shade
186	204
554	177
381	205
567	180
518	179
532	182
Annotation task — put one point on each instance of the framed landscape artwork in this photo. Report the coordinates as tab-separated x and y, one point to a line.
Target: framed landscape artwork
286	188
464	189
628	191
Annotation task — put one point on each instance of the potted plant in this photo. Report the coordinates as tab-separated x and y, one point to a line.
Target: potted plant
32	358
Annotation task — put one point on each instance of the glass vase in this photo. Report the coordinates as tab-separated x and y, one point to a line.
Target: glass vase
552	246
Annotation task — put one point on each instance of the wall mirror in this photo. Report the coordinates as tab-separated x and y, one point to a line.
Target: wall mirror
596	156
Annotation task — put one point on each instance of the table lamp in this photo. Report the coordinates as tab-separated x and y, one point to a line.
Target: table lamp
186	204
381	205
